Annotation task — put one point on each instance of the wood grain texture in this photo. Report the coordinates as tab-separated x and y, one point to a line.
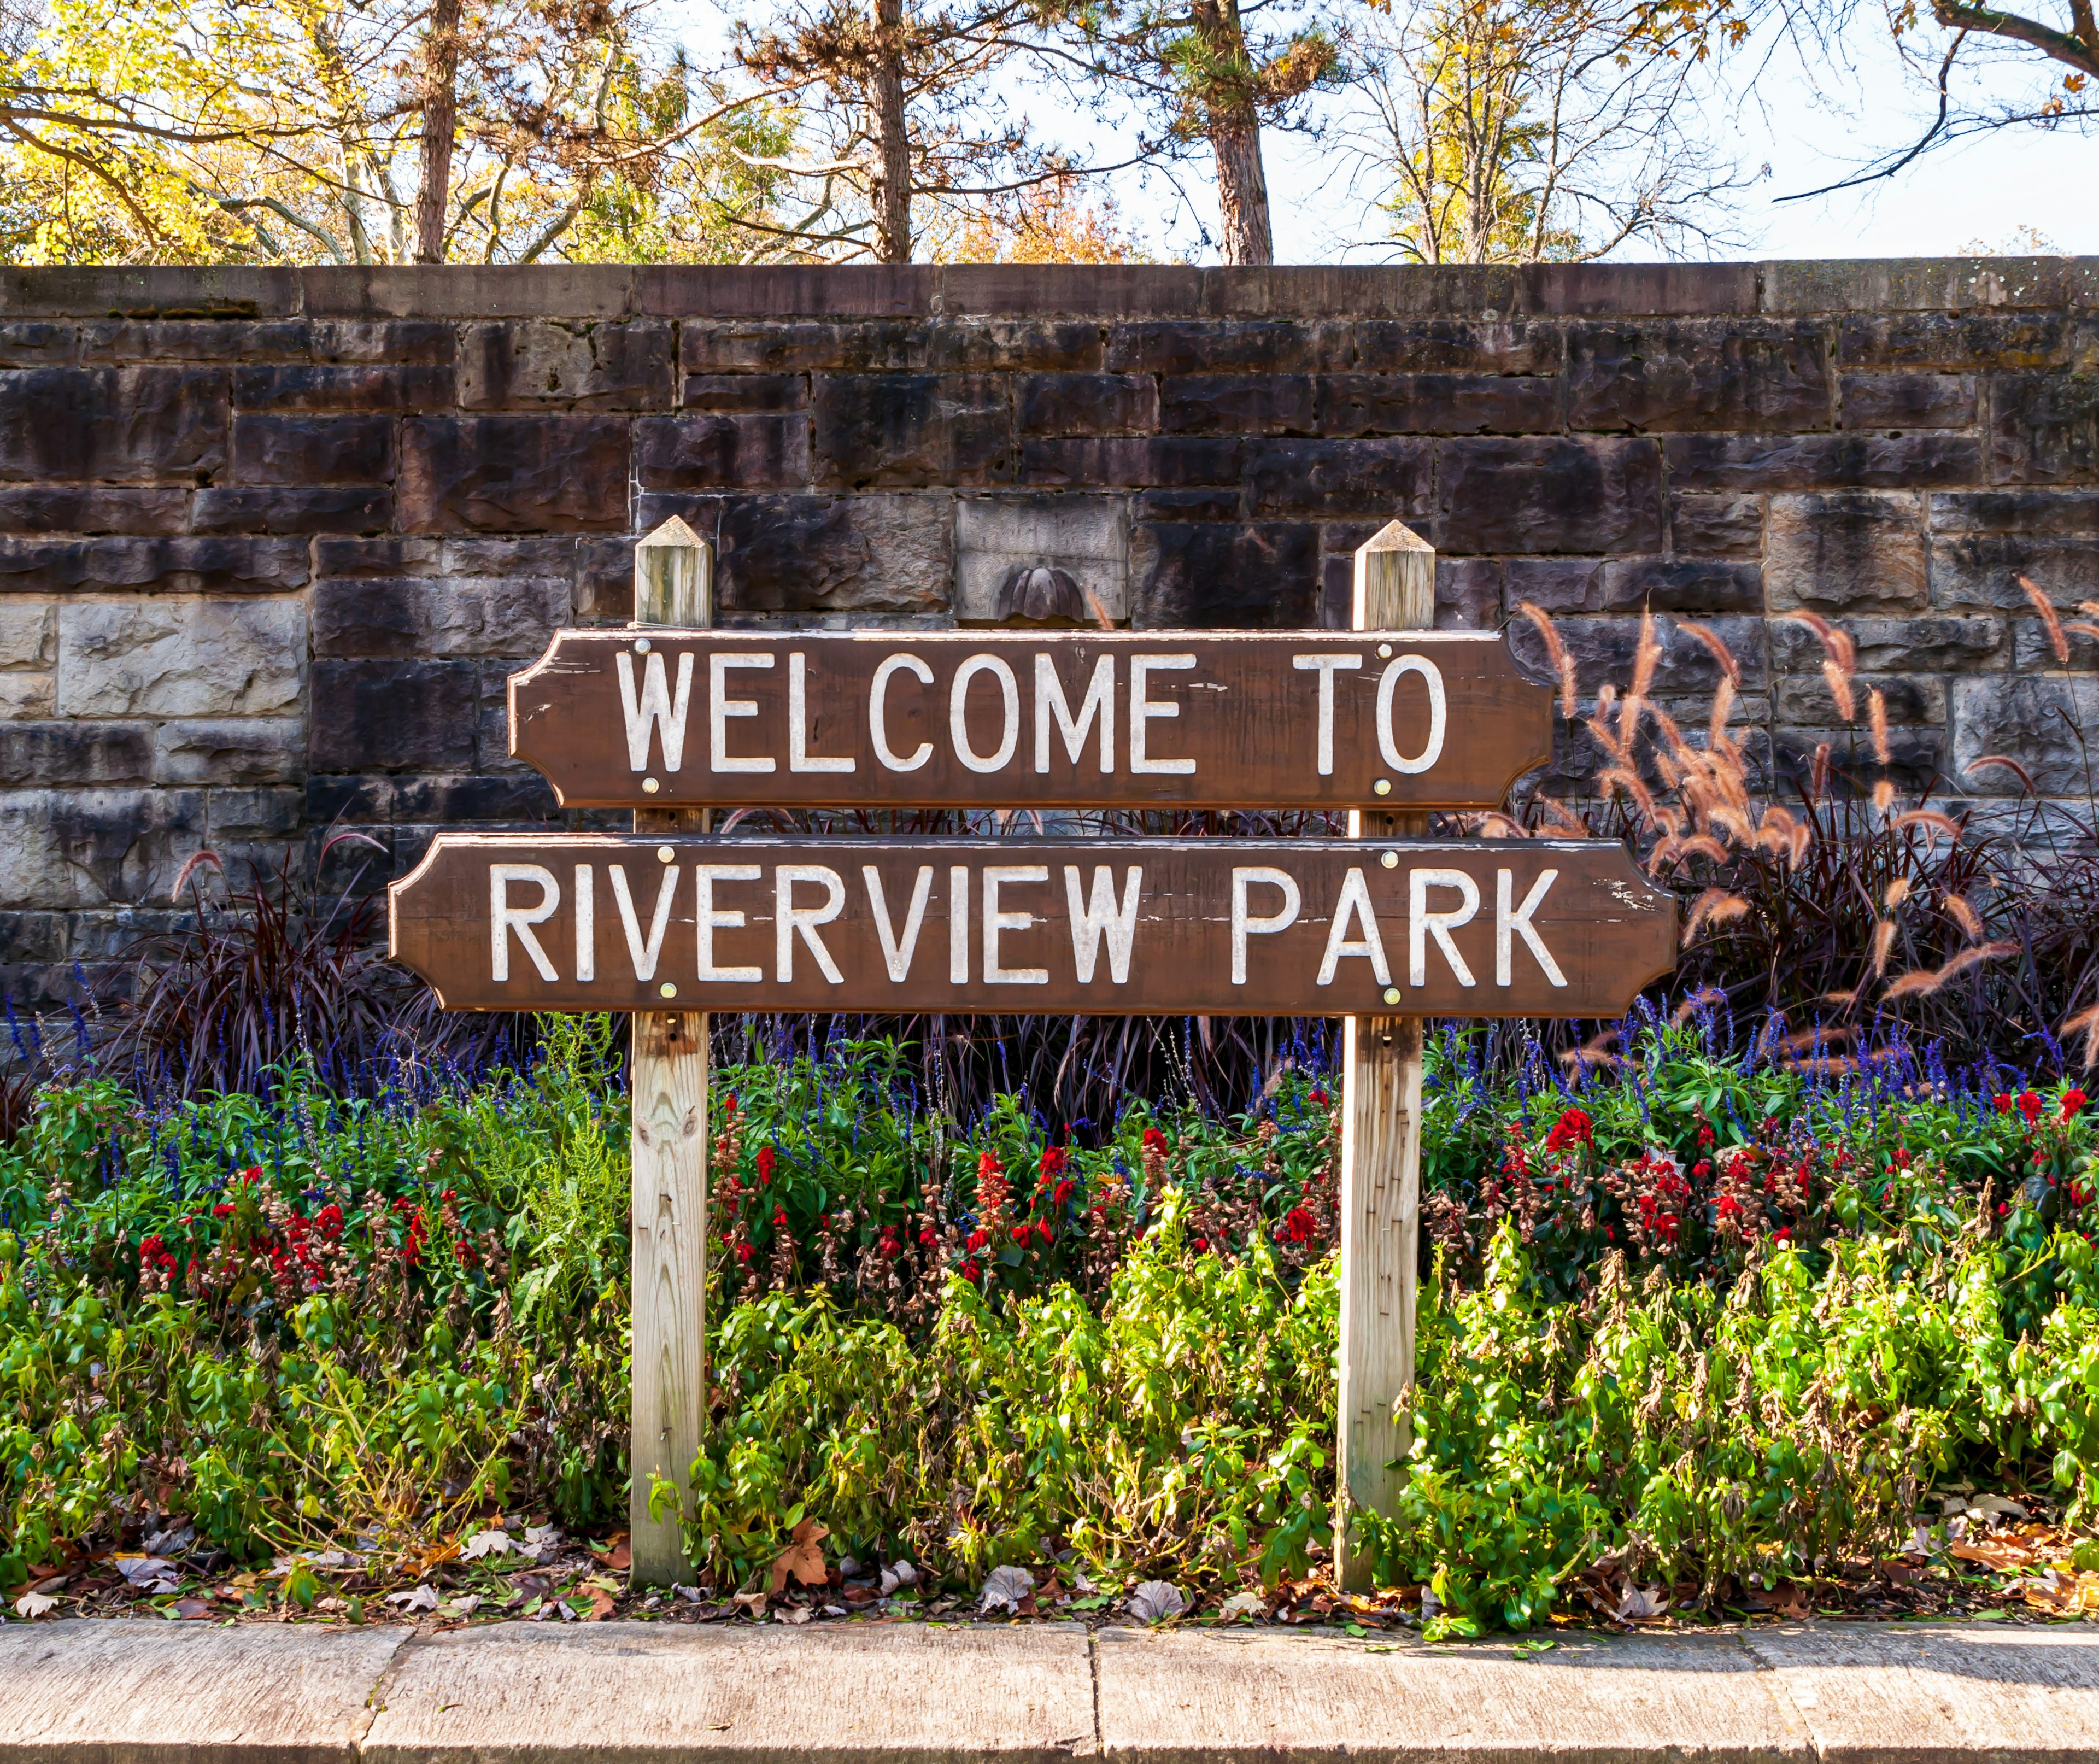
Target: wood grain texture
1016	720
673	585
1395	589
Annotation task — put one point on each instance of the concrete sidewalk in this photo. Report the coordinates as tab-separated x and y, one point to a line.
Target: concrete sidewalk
88	1692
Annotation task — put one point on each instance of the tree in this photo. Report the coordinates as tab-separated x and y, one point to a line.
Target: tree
1515	131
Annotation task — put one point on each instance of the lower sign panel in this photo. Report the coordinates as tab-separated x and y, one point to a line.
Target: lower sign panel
1520	928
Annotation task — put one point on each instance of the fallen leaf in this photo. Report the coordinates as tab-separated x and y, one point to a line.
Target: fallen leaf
803	1558
140	1569
484	1543
1639	1604
1003	1590
800	1614
1155	1600
899	1574
464	1603
618	1555
32	1605
190	1609
1244	1605
415	1599
602	1605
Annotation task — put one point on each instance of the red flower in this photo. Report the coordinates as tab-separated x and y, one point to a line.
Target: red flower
223	1210
253	1173
927	1239
1020	1235
1202	1243
979	1239
1298	1225
1573	1128
1064	1192
988	1164
743	1252
1046	1232
1317	1099
2072	1101
1154	1141
970	1272
1053	1161
2029	1106
767	1158
1784	1234
2003	1103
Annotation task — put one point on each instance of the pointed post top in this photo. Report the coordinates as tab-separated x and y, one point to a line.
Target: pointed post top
672	532
1395	536
674	578
1395	581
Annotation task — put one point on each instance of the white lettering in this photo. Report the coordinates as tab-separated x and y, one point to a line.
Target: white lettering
1517	920
707	917
653	708
503	918
877	696
1324	665
959	926
897	953
586	926
790	920
995	876
798	759
1244	924
722	707
1142	710
644	955
1050	703
1354	907
1422	924
1438	715
1101	916
958	727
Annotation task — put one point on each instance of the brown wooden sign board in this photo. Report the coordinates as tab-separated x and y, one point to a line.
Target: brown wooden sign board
1029	719
1512	928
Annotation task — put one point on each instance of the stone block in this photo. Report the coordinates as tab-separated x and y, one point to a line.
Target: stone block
1917	760
745	392
736	450
1376	481
604	574
1199	346
201	565
1981	571
185	658
240	816
1550	495
1237	404
946	430
2068	513
37	343
1908	401
1695	585
875	554
29	634
1000	538
71	849
92	508
391	386
381	556
1141	462
2043	721
346	449
133	425
2044	428
1805	700
1555	585
1930	644
1087	404
1694	375
513	474
1605	649
430	340
889	345
535	365
1220	504
1717	527
2032	653
385	716
1955	340
1478	346
1214	575
28	695
1922	461
1437	404
1845	552
128	341
234	750
499	615
281	508
1468	593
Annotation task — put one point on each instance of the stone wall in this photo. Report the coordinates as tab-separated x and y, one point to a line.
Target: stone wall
271	542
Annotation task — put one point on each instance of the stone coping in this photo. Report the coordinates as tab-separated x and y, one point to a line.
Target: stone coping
137	1693
1105	291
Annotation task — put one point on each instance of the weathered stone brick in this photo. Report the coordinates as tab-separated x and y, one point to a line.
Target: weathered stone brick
251	825
1680	374
1380	481
1169	462
1823	462
535	365
118	425
1964	340
1468	593
1237	404
2044	428
890	345
92	509
2033	651
1696	585
28	695
1846	551
442	801
1486	347
1605	650
874	554
2071	513
182	659
203	564
313	450
380	557
29	634
1210	575
231	750
37	343
735	452
1256	345
36	754
505	615
512	473
604	574
2042	721
76	848
1087	404
745	392
1717	527
875	430
1437	404
393	386
1805	700
128	341
281	508
1227	503
1556	585
1087	537
1908	401
1917	760
1930	644
1550	495
395	715
430	340
1981	570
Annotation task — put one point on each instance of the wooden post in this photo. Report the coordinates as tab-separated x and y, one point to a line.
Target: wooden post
1380	1139
673	585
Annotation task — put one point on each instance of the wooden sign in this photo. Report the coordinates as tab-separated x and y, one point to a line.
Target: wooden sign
1034	719
583	922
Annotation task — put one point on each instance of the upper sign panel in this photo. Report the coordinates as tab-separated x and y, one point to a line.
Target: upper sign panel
1029	719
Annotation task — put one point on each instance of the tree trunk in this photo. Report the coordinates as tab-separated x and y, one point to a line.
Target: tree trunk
1241	189
440	122
892	190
